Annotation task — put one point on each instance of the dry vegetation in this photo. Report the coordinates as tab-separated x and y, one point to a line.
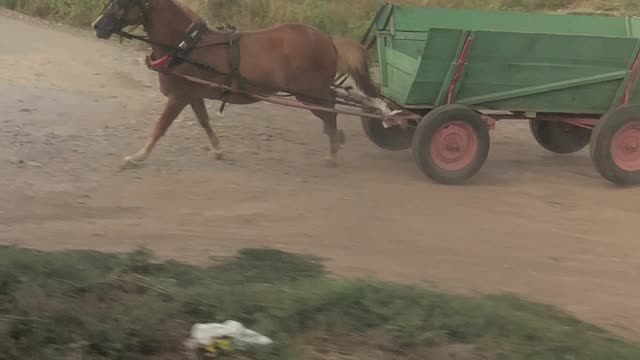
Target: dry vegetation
330	15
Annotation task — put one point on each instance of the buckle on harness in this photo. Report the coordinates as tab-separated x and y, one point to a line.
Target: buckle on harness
192	37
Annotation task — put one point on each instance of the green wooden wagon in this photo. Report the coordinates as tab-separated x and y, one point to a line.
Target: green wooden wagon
574	78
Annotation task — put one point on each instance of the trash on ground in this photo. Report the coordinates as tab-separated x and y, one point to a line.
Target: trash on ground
215	338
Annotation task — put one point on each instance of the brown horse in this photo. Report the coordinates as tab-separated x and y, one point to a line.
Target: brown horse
292	57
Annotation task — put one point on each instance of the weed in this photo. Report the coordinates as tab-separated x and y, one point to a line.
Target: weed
89	305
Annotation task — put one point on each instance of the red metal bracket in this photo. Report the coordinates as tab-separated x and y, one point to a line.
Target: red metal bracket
158	64
461	61
489	122
584	122
635	68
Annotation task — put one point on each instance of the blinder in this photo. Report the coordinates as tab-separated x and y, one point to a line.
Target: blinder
115	12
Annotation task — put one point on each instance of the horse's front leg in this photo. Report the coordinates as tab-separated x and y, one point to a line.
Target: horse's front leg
172	109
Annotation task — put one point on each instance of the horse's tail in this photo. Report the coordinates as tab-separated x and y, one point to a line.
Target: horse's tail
353	60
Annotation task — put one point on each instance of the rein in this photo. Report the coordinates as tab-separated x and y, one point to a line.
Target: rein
190	43
192	37
164	63
145	39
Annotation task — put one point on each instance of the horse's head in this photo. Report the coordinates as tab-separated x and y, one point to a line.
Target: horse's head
118	14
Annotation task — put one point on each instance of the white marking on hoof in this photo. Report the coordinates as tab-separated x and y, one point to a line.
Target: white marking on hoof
135	159
129	163
330	161
217	153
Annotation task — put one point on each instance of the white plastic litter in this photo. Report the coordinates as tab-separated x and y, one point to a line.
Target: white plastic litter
203	334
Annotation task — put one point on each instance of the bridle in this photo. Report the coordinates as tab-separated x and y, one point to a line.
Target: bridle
124	6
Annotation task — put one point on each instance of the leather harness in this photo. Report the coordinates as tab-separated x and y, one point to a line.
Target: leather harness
233	37
193	35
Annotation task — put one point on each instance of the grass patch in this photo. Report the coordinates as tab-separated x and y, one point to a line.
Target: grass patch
89	305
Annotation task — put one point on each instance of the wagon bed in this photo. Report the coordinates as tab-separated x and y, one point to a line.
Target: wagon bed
574	77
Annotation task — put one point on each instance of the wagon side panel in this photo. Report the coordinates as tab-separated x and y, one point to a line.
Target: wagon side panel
418	66
436	67
635	89
399	60
545	72
423	19
635	27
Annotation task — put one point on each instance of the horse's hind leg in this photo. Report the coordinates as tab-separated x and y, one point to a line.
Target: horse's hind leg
172	109
200	110
336	136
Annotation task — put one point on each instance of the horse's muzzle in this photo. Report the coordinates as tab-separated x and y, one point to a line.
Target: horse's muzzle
105	35
104	28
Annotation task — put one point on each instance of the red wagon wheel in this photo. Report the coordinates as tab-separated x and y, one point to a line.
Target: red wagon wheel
615	146
451	143
559	137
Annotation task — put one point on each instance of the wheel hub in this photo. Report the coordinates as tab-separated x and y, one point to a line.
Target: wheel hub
625	149
454	145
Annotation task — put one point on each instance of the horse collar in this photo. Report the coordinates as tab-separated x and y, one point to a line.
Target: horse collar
164	63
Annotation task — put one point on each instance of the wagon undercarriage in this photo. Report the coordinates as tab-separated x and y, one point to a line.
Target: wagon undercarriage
576	81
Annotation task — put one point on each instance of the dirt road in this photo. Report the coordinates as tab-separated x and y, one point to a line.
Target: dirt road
541	225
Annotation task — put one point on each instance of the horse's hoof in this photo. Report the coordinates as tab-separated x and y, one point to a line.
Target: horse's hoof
331	162
129	163
217	154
